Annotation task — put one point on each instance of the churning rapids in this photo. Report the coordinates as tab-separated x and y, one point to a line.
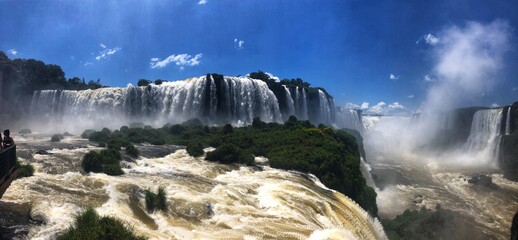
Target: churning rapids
424	178
206	200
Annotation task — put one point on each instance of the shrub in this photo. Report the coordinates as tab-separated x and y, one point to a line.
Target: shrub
193	123
87	133
422	224
25	170
56	138
150	201
229	153
113	169
156	201
227	129
107	161
257	123
67	134
161	199
92	162
89	225
195	149
99	136
132	151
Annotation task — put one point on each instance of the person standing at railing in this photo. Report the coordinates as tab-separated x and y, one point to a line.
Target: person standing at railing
1	143
8	140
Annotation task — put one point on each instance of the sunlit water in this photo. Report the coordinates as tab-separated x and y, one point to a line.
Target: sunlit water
415	178
487	211
206	200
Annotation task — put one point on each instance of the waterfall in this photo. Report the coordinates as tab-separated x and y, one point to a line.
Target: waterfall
325	108
291	103
508	122
300	104
349	118
228	99
484	139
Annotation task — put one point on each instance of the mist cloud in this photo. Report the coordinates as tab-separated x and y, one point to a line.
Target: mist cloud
467	62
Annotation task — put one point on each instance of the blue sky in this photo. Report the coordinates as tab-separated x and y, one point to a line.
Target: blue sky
351	48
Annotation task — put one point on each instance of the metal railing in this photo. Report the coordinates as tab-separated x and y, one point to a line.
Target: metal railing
7	162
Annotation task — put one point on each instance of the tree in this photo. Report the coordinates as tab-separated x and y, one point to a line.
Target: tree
143	82
159	81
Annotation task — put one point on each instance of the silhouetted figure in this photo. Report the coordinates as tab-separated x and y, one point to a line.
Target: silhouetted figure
8	140
1	143
514	227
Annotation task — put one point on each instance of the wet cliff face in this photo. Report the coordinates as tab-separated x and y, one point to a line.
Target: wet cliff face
508	160
454	128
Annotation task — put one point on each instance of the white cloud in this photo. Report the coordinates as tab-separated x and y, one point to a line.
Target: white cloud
352	106
104	54
202	2
381	108
273	77
395	106
378	108
393	77
181	60
467	62
495	105
428	78
239	44
12	52
410	96
515	89
88	64
429	39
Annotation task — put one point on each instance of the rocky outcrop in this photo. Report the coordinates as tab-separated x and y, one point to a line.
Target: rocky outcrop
508	159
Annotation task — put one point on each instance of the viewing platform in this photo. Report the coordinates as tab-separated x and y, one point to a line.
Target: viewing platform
8	170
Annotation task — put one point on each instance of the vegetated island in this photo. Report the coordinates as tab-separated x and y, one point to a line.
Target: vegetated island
331	155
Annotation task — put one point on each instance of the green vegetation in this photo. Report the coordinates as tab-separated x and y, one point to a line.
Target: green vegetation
230	153
132	150
143	82
422	224
331	155
24	170
156	201
27	75
106	161
195	149
56	138
91	226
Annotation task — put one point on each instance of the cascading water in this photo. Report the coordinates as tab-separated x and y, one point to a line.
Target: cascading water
291	102
213	98
484	139
300	102
326	108
508	122
206	200
349	118
237	100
